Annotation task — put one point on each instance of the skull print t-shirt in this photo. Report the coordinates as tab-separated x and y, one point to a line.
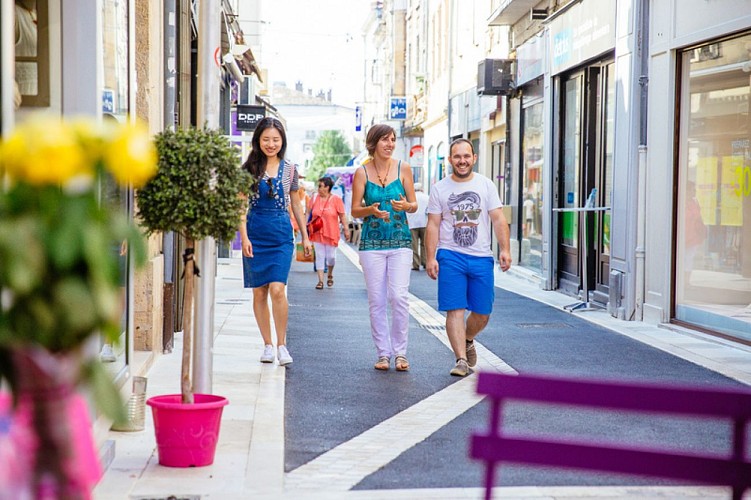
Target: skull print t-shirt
464	208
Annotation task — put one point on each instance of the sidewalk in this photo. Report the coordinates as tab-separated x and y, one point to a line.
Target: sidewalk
250	455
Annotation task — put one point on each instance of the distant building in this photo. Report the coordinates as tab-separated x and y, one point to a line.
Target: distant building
307	115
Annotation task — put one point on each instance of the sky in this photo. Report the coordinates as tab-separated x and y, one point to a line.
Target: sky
318	42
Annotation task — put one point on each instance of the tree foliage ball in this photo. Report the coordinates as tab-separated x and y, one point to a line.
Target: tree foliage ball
197	186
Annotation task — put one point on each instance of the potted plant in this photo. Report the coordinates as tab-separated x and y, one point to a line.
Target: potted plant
59	288
196	192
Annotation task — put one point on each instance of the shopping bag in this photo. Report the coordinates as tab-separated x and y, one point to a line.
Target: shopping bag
300	254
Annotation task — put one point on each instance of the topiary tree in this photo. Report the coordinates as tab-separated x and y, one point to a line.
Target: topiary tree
196	193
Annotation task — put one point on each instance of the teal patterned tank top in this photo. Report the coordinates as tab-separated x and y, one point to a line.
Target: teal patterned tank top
385	234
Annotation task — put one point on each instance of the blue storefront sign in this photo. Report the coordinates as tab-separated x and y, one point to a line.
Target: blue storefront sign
108	101
398	108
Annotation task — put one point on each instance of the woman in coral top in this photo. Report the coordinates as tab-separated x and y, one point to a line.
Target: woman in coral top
331	210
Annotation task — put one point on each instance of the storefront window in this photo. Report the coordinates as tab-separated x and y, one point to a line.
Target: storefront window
713	248
31	26
115	107
531	199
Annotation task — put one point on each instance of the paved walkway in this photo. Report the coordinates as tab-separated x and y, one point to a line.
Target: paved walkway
250	456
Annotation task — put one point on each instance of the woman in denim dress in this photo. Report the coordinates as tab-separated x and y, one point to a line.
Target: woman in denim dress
266	233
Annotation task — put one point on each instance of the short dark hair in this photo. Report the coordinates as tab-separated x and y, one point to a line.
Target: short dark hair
326	181
458	141
375	134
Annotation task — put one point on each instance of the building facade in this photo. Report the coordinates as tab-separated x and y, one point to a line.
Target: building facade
620	148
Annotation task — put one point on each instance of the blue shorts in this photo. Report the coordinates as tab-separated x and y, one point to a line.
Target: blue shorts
465	282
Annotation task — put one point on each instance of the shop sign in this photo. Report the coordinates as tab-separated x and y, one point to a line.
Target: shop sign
249	116
583	32
358	118
398	108
108	101
530	59
416	156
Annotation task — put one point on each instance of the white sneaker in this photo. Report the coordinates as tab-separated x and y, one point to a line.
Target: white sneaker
268	354
283	356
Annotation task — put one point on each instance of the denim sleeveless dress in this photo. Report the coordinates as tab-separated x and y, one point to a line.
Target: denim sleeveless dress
385	234
270	232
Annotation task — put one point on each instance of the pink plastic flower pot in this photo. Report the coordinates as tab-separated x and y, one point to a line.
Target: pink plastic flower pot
186	435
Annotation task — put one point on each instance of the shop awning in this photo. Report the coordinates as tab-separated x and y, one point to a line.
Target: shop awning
510	11
233	42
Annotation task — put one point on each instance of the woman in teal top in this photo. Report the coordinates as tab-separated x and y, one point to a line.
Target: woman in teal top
382	191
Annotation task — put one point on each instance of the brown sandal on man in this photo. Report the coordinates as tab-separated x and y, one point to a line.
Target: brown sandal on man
401	363
319	286
330	282
383	363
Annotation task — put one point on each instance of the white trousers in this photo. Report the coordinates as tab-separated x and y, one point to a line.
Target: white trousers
387	275
325	255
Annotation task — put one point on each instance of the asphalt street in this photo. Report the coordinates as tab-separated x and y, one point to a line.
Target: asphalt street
333	394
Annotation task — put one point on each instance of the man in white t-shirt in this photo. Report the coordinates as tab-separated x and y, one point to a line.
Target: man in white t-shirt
462	210
417	222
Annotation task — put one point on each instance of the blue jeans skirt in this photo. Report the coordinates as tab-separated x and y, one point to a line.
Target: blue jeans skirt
270	233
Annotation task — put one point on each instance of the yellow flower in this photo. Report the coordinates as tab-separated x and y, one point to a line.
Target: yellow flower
43	151
131	156
92	137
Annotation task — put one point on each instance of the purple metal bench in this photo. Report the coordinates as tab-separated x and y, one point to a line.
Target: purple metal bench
731	405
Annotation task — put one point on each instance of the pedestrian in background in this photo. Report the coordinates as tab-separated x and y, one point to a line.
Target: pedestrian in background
417	222
463	209
304	204
266	233
330	208
382	191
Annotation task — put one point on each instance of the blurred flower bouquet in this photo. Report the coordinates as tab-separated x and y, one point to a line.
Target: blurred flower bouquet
59	274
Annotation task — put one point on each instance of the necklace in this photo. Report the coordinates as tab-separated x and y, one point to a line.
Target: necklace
378	174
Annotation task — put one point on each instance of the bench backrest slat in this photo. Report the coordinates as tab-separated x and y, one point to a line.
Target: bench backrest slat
734	405
606	458
638	397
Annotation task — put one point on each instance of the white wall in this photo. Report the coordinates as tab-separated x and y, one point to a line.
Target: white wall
674	24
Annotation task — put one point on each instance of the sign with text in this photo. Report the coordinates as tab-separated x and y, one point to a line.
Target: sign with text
398	108
581	33
358	118
249	116
416	157
108	101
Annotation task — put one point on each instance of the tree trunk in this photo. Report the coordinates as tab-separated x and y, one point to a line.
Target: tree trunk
186	386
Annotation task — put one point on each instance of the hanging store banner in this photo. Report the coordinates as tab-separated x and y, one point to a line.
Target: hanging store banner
584	31
249	116
398	108
358	118
416	156
531	58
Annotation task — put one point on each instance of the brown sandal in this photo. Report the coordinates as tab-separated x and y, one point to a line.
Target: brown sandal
401	363
330	282
382	363
319	286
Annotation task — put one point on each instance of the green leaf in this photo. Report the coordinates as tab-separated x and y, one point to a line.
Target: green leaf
105	394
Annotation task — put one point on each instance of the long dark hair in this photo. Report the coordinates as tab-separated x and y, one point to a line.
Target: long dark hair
256	162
